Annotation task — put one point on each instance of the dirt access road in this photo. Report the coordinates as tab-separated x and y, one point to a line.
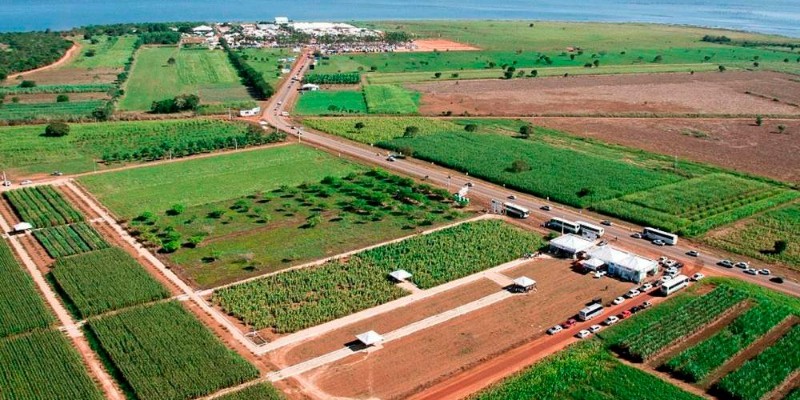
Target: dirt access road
72	52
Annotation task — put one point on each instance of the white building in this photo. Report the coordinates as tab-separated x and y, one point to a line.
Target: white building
309	87
624	265
202	29
570	244
281	20
250	113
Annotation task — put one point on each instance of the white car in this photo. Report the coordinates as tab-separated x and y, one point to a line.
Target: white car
583	334
595	328
637	235
726	263
611	320
764	271
698	276
659	242
669	263
646	287
693	253
663	259
26	182
742	264
665	278
618	300
554	330
750	271
671	271
632	293
6	183
599	274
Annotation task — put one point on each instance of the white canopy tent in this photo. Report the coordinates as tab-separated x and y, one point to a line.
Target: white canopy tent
571	244
370	338
525	282
400	275
593	264
22	227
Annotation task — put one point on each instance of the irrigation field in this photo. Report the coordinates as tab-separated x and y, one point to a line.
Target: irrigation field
390	99
49	111
337	102
68	240
21	307
42	207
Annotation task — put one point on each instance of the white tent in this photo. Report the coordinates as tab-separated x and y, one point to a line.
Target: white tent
370	338
593	264
625	265
525	282
571	244
22	227
400	275
202	29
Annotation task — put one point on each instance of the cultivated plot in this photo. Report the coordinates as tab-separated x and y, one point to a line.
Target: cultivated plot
21	307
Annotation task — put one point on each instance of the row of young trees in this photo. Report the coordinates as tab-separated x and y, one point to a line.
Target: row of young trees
250	77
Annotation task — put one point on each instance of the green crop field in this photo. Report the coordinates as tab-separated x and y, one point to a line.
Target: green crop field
205	73
42	206
583	371
79	88
390	99
43	366
697	205
49	111
261	391
331	103
378	129
21	308
263	232
87	145
68	240
105	280
195	182
109	52
162	352
757	236
298	299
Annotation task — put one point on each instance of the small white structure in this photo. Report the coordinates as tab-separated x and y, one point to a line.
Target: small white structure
281	20
202	29
593	264
22	227
250	113
400	275
524	284
370	338
570	244
309	87
625	265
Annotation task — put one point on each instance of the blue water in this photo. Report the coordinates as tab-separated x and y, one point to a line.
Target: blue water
766	16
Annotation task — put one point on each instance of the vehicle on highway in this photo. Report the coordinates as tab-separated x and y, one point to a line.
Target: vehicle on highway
554	330
693	253
751	271
665	237
570	322
611	320
606	222
624	314
637	235
725	263
390	159
595	328
742	265
545	208
285	114
632	293
658	242
618	300
583	334
646	305
512	197
646	287
698	276
26	182
764	271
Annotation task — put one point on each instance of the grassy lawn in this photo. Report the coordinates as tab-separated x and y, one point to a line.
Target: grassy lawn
110	52
205	73
195	182
331	103
267	61
24	150
390	99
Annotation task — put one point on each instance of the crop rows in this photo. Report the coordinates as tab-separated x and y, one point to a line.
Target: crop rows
164	353
43	366
698	362
54	89
42	207
378	129
793	395
255	392
67	240
760	375
333	79
105	280
390	99
21	308
298	299
48	111
685	321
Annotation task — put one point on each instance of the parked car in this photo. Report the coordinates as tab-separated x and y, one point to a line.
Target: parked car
658	242
725	263
698	276
646	305
611	320
26	182
603	243
554	330
512	197
624	314
469	184
606	222
678	265
764	271
632	293
599	274
665	278
6	183
545	208
390	159
570	322
671	271
750	271
57	173
692	253
668	263
742	265
776	279
618	300
583	334
646	287
595	328
637	235
635	309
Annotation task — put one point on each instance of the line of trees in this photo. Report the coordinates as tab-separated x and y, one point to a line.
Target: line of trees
30	50
184	102
722	39
250	77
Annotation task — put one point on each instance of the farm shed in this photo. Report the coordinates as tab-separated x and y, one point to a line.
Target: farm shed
22	227
400	275
524	284
570	244
624	265
370	338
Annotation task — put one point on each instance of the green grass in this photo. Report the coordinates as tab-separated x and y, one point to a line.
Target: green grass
110	52
298	299
756	237
267	62
26	150
162	352
584	371
378	129
195	182
49	111
205	73
43	366
262	391
21	308
390	99
105	280
331	103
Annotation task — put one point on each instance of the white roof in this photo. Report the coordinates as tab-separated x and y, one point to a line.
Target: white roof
631	261
369	338
203	28
23	226
524	281
594	262
281	20
400	274
572	243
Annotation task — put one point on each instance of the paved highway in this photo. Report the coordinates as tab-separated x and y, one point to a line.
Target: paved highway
619	234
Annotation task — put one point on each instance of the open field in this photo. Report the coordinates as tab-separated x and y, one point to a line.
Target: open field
267	61
68	240
49	110
42	207
195	182
87	146
700	93
43	366
378	129
333	102
205	73
21	307
105	280
737	144
73	76
298	299
109	52
390	99
163	352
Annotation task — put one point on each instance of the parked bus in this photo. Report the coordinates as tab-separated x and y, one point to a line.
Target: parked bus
655	234
673	285
563	225
590	229
590	312
517	211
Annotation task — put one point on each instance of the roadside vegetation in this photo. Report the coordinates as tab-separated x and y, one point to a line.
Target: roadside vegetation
21	307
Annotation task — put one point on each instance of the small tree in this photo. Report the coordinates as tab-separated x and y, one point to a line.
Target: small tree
56	129
781	128
596	63
62	98
508	74
171	246
584	192
520	166
177	209
525	131
90	53
721	68
406	151
171	61
359	126
437	75
195	240
470	127
759	120
411	131
659	58
27	84
780	246
534	73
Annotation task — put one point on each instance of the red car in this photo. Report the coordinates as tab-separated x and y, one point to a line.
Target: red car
624	314
570	322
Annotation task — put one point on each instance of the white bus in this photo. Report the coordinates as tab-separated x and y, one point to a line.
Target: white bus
590	312
517	211
655	234
591	229
673	285
563	225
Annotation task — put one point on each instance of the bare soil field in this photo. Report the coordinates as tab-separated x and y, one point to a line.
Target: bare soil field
66	76
668	93
383	323
428	45
736	144
433	354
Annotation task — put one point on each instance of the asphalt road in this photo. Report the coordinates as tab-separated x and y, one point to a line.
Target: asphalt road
618	235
